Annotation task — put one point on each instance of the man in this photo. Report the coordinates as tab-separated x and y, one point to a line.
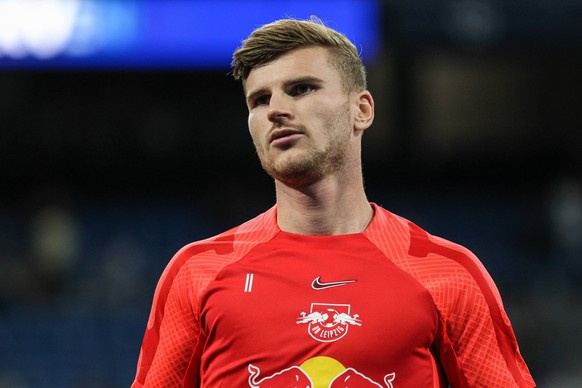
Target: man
325	289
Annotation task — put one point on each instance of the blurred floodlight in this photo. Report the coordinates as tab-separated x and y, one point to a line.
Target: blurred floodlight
40	28
146	33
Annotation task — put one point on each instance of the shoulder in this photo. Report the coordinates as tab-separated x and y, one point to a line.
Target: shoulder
197	264
441	266
413	241
202	260
454	264
461	287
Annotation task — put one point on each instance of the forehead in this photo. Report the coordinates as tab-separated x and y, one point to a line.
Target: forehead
298	63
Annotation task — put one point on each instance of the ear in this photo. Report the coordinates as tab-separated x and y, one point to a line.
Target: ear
364	111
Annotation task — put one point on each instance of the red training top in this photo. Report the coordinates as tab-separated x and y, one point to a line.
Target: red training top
390	307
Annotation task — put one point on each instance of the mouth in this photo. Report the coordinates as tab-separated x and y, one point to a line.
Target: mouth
284	136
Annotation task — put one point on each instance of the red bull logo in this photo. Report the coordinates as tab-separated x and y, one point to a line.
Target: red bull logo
328	322
293	377
317	372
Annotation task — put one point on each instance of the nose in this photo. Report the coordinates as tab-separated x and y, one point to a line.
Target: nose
279	109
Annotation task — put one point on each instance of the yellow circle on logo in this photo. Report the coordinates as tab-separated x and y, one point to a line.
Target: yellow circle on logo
322	370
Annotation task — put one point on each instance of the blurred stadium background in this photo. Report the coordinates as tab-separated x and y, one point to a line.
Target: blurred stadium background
122	138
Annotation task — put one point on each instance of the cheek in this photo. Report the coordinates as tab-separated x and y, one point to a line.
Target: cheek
252	124
254	129
249	125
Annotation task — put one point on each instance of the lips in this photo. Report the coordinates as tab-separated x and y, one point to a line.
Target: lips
283	136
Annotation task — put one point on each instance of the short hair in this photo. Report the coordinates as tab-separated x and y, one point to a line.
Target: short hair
269	42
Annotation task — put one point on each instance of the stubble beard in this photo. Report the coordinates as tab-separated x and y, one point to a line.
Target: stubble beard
315	164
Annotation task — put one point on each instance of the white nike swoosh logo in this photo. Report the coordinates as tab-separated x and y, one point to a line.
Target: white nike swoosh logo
319	285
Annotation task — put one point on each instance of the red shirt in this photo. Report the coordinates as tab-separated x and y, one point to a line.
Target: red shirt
390	307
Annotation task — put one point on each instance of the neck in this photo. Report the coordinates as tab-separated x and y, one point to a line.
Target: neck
331	206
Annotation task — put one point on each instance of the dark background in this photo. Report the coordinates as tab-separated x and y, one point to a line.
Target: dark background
105	174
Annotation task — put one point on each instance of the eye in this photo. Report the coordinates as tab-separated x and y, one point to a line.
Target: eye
262	99
300	89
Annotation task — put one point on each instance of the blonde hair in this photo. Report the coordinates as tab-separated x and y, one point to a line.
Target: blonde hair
273	40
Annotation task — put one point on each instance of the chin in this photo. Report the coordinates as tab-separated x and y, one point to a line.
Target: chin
302	168
298	174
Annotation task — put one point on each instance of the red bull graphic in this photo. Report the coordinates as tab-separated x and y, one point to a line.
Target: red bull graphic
352	378
328	322
293	377
317	372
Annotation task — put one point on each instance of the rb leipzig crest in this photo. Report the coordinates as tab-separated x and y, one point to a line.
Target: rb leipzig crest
328	322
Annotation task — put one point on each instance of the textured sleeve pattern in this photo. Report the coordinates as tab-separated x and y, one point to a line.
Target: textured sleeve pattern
174	337
475	342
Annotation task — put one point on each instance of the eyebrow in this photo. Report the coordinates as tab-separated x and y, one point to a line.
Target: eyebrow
286	83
